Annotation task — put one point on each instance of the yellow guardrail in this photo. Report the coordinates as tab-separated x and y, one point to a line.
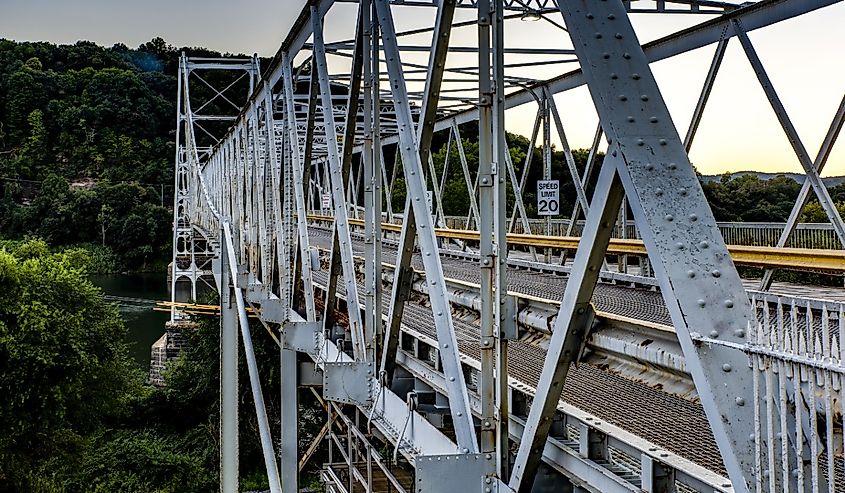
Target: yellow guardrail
805	259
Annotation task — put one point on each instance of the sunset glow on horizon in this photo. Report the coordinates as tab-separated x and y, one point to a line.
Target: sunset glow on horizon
739	130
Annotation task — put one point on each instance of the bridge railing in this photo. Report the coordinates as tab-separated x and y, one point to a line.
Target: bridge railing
806	235
829	261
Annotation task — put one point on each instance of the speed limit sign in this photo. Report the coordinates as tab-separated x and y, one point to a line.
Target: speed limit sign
548	197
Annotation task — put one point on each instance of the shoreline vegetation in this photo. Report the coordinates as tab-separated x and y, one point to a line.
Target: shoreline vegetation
94	258
77	414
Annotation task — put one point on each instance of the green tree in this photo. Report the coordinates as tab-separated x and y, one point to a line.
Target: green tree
64	368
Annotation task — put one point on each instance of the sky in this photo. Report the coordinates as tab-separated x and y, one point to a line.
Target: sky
739	130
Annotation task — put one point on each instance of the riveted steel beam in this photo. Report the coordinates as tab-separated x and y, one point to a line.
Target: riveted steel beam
412	149
342	236
422	144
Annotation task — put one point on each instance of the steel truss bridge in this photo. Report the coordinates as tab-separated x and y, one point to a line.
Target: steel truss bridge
485	356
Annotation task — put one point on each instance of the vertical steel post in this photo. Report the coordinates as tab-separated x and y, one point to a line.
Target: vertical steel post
296	166
547	160
501	157
180	190
289	411
379	176
371	216
252	365
228	377
487	194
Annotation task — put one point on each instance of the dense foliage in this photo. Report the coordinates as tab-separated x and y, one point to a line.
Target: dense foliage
87	143
65	373
75	414
748	198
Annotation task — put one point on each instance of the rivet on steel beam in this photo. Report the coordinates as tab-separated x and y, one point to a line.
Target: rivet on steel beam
598	36
729	303
740	401
618	35
635	76
693	217
726	368
640	142
739	333
716	273
653	119
626	56
679	245
690	274
649	166
701	303
631	119
714	334
704	244
669	217
658	192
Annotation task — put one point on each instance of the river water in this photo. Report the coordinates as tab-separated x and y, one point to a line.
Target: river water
135	296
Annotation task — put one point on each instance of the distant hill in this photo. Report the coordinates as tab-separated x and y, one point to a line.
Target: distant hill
830	181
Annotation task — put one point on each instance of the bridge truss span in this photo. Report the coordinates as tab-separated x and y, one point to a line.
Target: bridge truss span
479	355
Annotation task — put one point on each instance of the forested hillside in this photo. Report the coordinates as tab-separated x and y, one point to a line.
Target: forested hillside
86	145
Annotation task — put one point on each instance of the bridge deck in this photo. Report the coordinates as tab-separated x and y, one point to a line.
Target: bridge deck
670	422
667	420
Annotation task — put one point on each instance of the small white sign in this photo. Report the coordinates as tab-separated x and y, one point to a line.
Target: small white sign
326	200
548	197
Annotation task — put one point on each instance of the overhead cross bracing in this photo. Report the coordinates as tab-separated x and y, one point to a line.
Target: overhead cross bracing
350	95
